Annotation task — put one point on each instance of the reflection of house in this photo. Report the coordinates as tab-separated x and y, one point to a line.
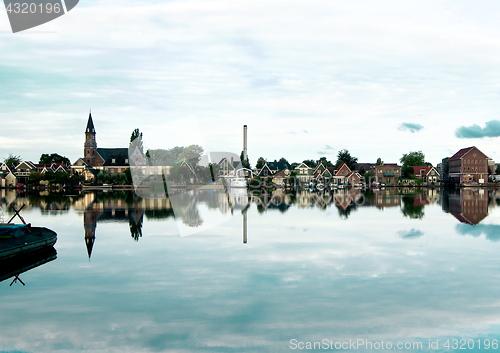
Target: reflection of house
386	198
469	165
469	206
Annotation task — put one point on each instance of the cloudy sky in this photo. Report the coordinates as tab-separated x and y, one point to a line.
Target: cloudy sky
309	78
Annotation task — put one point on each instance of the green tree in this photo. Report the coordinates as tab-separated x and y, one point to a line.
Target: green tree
408	172
260	162
345	157
13	159
136	140
180	173
325	162
379	161
497	170
245	163
283	160
361	170
310	163
192	153
413	159
53	158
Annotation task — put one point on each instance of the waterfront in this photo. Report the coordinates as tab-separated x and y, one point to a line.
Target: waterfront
395	265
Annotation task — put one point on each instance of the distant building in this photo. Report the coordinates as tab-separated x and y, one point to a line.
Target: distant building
469	165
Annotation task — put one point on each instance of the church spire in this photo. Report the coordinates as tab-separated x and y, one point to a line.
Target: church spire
90	125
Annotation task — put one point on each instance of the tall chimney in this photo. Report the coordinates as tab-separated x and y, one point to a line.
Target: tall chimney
244	142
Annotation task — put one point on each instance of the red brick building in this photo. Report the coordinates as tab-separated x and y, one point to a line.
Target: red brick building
469	165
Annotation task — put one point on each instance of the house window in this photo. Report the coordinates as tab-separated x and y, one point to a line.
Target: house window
126	160
113	160
111	170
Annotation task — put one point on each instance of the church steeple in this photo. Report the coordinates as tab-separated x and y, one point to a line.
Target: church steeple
90	146
90	125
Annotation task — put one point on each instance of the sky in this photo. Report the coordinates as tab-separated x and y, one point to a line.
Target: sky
309	78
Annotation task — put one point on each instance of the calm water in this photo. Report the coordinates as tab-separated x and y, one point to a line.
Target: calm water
141	275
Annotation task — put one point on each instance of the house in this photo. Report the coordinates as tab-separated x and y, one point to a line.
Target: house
304	172
353	178
340	174
387	173
420	171
280	177
227	168
468	165
95	160
265	171
432	176
24	169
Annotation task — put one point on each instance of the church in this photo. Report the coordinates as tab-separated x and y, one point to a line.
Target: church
95	160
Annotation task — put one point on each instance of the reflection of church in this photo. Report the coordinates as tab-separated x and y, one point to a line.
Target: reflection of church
111	211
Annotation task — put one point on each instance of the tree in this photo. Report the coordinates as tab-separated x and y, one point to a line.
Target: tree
260	162
283	160
245	163
408	172
361	170
136	140
345	157
497	171
379	161
53	158
192	153
180	173
310	163
13	159
325	162
413	159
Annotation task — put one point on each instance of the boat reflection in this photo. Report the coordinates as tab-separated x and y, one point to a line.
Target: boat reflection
14	267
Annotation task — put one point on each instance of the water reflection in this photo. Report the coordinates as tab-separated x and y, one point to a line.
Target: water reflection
192	208
392	266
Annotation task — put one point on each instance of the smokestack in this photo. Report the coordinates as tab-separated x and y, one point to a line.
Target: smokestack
244	142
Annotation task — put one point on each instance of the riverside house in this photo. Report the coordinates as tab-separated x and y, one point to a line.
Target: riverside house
468	165
386	173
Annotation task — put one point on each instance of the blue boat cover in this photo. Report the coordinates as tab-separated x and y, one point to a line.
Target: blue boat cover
14	230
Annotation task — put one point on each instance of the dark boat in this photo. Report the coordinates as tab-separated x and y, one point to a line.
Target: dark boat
22	240
23	247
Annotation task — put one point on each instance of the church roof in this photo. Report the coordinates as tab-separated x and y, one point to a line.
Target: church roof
119	155
90	125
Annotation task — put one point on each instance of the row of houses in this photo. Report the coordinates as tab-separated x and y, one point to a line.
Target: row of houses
11	175
388	174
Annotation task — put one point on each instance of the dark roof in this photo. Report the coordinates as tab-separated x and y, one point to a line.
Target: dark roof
367	166
461	153
279	165
118	154
90	125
